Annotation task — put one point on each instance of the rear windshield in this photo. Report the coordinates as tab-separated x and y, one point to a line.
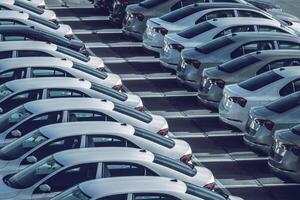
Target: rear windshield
154	137
214	45
89	70
196	30
44	22
260	81
29	7
238	64
181	13
109	92
202	193
175	165
73	53
133	113
151	3
285	103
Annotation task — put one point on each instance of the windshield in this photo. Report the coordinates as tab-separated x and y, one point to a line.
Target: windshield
4	91
109	92
214	45
44	22
196	30
285	103
131	112
72	194
90	71
34	173
238	64
151	3
73	53
202	193
29	7
13	117
21	146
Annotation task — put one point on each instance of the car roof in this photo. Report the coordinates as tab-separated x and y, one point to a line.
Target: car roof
258	36
53	82
12	63
10	14
228	21
75	128
26	45
48	105
136	184
88	155
288	71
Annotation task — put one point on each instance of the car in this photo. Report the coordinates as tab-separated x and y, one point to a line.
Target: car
214	79
157	28
263	121
22	91
41	67
26	7
137	15
16	49
199	34
8	17
284	154
37	3
257	91
35	114
66	169
54	138
21	33
265	5
104	4
134	188
226	48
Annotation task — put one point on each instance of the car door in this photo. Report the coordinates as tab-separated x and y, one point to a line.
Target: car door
12	74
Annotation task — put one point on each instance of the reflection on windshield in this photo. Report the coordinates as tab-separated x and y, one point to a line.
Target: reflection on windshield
34	173
4	91
21	146
72	194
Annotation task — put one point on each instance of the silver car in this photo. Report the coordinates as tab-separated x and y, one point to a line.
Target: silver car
22	91
54	138
14	49
214	79
226	48
133	188
212	29
66	169
265	120
41	67
285	153
32	115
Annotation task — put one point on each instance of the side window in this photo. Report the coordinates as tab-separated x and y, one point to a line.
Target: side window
288	45
235	29
12	75
252	47
71	177
13	38
54	146
21	98
270	29
115	197
216	14
37	122
107	141
154	196
176	6
279	63
290	88
88	116
188	2
32	53
125	169
59	93
6	54
10	22
248	13
48	72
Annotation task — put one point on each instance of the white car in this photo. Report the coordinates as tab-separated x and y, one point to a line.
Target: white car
137	188
206	31
22	18
21	91
66	169
35	114
54	138
24	6
14	49
40	67
37	3
260	90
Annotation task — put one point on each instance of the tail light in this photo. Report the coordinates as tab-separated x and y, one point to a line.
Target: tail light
163	132
69	36
42	6
195	63
210	186
219	82
161	30
84	51
186	158
266	123
239	100
138	16
118	87
178	47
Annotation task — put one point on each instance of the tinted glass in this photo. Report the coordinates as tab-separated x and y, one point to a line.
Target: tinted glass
203	193
72	194
214	45
63	93
216	14
90	71
181	13
247	13
73	53
285	103
32	53
5	54
109	92
196	30
131	112
29	7
115	197
107	141
153	196
288	45
119	169
151	3
44	22
238	64
48	72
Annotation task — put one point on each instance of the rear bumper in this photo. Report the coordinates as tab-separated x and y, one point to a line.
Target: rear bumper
264	149
283	173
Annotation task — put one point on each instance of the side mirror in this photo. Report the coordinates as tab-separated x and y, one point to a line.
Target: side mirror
31	159
45	188
1	110
16	133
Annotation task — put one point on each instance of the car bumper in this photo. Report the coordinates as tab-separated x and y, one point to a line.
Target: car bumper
225	116
135	34
147	45
168	65
285	174
262	148
192	84
210	103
